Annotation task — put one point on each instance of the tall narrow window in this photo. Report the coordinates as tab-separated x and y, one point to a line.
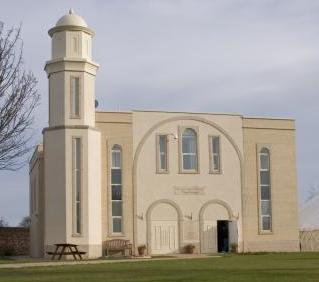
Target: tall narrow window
75	97
88	53
265	190
77	174
215	154
189	150
75	44
162	153
33	197
116	188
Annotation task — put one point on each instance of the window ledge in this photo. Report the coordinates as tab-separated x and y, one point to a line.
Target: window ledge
77	235
162	172
215	172
117	235
266	232
189	172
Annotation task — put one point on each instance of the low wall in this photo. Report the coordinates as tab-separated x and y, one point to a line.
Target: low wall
309	240
14	241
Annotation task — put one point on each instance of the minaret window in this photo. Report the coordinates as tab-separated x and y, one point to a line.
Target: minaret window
189	150
75	97
116	188
77	183
75	44
265	190
88	53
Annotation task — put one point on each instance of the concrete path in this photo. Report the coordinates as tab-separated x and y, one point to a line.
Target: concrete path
100	261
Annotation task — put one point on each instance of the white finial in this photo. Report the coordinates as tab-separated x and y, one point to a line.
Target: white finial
71	11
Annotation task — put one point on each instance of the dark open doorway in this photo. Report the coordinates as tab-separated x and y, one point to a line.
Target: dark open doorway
222	236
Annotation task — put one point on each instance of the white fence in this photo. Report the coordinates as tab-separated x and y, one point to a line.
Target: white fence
309	240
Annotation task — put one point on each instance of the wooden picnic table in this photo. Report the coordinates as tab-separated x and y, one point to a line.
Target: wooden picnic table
66	249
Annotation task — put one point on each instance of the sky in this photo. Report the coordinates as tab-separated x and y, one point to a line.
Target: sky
257	58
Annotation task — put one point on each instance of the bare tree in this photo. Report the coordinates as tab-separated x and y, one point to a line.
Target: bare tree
3	222
312	192
25	222
18	100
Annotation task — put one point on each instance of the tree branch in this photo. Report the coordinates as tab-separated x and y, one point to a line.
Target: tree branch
18	100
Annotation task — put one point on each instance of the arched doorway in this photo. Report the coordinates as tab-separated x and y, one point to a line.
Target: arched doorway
163	228
215	227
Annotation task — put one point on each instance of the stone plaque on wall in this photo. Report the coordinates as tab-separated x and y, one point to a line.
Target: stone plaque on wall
191	231
189	190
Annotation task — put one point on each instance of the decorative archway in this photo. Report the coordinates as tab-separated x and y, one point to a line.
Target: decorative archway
148	134
149	221
218	202
201	218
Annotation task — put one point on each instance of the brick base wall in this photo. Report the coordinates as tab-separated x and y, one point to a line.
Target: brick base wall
14	241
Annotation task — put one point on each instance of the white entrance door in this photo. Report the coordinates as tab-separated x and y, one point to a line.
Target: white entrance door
164	236
233	232
209	237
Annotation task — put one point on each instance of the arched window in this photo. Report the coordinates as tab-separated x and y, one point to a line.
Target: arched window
189	150
265	190
116	188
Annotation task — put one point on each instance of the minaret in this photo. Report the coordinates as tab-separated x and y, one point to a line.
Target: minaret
72	155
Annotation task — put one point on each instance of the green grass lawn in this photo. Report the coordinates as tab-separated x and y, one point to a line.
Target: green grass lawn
299	267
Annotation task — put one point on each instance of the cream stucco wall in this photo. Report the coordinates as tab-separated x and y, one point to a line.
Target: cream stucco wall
279	136
59	199
150	187
71	44
218	196
36	195
54	187
59	92
116	128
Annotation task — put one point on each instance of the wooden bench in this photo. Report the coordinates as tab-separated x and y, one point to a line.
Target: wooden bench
118	245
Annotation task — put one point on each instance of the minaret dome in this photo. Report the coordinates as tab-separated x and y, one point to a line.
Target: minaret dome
71	19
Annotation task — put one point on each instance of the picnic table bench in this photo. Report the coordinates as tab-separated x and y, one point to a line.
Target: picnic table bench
118	245
65	250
